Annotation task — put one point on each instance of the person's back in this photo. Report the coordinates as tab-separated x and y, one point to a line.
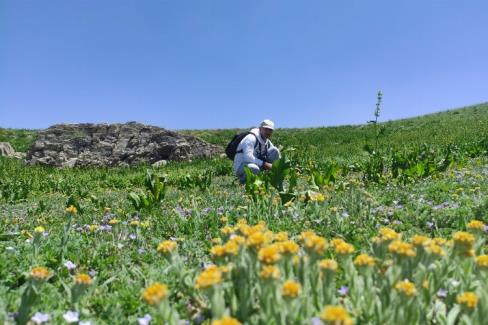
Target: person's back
256	151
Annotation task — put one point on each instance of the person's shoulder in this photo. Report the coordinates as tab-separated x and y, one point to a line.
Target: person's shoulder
250	137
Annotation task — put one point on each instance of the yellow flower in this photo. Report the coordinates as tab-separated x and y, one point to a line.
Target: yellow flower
388	234
406	287
231	247
209	277
335	315
315	244
93	228
40	273
469	299
269	254
463	243
226	268
135	223
237	239
439	241
167	247
337	241
463	238
289	247
306	234
419	240
291	289
328	264
83	279
39	230
72	209
364	260
281	236
482	261
106	210
476	225
155	293
224	219
270	272
113	221
227	230
145	224
400	248
217	251
344	249
226	320
256	240
317	197
434	249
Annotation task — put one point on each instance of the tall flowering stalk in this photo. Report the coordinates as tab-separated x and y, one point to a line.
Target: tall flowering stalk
70	212
36	277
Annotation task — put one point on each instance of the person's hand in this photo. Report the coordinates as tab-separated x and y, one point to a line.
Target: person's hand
267	166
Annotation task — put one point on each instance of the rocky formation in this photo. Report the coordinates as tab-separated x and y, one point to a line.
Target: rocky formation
70	145
7	150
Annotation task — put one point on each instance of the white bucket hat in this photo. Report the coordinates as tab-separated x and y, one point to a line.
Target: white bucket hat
267	124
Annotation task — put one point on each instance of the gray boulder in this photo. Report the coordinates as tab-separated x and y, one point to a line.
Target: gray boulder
75	145
7	150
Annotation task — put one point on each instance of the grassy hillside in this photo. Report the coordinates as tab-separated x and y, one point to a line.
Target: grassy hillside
343	142
453	126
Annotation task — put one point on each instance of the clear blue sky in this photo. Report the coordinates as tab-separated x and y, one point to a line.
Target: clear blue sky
200	64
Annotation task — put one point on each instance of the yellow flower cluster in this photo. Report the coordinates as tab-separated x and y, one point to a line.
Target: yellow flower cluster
419	240
155	293
289	247
39	229
468	299
167	247
226	320
335	315
291	289
434	249
388	234
316	197
72	209
464	243
313	243
257	240
463	238
113	221
400	248
40	273
364	260
344	249
482	261
270	254
209	277
281	236
476	225
406	287
328	265
270	272
84	279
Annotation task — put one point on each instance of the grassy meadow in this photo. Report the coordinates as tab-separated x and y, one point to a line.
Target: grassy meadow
363	224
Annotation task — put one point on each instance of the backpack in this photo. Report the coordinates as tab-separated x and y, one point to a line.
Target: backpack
231	149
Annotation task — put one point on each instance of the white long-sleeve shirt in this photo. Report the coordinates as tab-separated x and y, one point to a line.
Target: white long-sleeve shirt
250	151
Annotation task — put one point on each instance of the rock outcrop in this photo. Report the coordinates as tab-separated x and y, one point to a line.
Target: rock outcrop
73	145
7	150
